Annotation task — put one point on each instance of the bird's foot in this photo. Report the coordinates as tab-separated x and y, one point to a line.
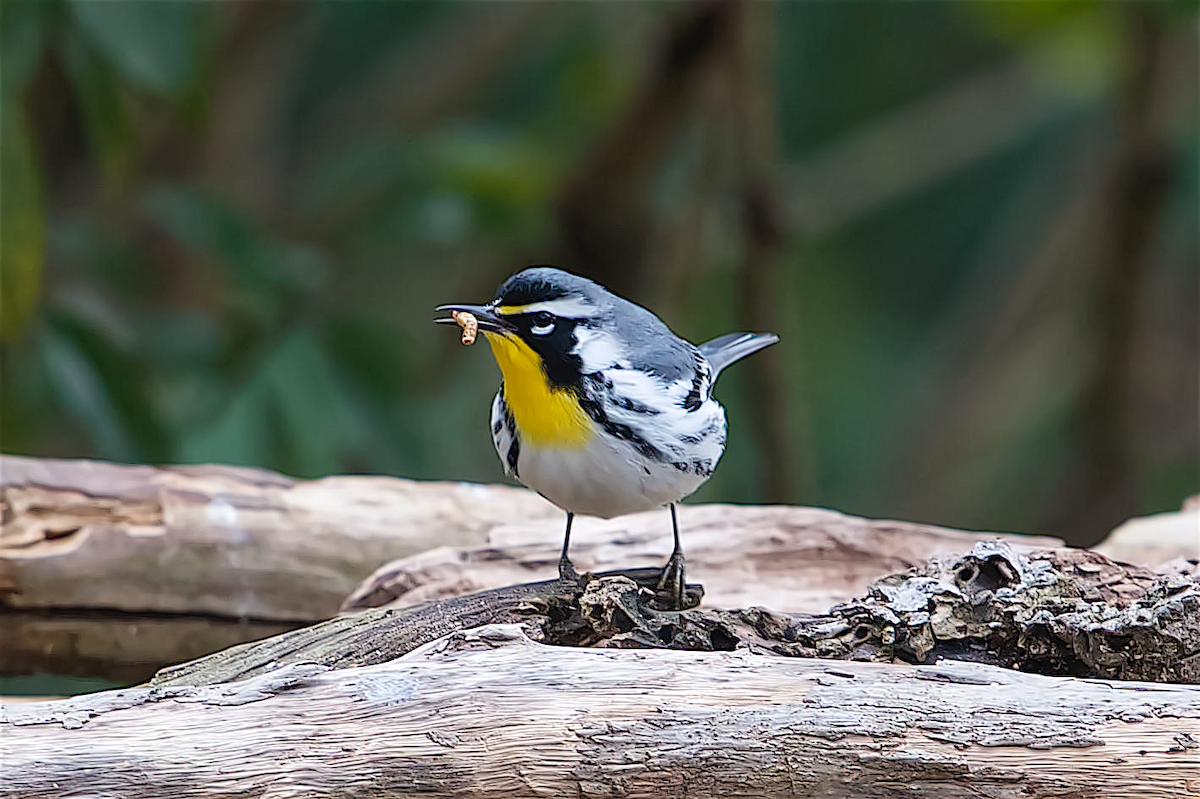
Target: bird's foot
567	574
671	583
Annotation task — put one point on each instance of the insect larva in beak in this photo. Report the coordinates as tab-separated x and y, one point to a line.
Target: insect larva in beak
469	325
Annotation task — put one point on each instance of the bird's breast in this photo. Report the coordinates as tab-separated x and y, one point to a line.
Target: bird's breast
544	415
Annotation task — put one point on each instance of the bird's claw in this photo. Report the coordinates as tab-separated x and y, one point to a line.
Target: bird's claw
671	583
567	574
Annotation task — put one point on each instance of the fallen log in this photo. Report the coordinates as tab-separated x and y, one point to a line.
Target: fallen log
467	696
1168	542
490	712
116	571
786	558
1062	612
222	541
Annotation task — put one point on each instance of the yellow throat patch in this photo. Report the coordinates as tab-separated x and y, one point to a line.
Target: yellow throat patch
546	416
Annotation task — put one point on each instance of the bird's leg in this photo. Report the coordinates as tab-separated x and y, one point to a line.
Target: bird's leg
566	570
671	581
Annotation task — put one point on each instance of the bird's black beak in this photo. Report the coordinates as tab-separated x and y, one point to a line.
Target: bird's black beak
489	320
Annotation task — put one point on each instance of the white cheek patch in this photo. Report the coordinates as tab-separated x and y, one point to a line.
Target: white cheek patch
597	349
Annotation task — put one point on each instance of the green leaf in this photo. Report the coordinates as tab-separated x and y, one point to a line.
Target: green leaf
101	336
292	414
1023	22
22	223
154	45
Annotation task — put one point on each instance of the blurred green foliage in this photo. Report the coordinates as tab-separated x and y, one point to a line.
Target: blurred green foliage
225	227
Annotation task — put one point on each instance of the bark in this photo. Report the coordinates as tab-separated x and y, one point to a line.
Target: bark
491	712
524	691
109	570
1170	542
1061	612
116	571
220	540
785	558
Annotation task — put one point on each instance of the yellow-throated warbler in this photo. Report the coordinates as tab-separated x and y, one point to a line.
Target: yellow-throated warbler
602	409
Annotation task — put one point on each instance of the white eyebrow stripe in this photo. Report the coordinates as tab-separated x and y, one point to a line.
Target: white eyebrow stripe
566	307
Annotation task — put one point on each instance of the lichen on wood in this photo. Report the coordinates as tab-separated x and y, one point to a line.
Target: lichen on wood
1059	612
1055	612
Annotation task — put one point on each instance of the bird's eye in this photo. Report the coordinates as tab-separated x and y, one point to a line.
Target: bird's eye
543	323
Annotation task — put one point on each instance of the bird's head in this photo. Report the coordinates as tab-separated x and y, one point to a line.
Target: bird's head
568	326
535	320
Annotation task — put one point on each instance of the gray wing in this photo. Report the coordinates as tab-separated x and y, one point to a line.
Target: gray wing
724	350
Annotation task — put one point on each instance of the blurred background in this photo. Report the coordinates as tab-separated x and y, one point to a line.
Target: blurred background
974	226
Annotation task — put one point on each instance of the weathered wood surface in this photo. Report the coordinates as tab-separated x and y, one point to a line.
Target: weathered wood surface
439	699
1167	542
124	648
224	541
247	543
489	712
1065	612
793	559
111	571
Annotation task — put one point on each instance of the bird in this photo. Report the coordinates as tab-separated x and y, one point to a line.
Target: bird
602	409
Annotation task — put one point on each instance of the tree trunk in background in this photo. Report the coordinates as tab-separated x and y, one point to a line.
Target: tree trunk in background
751	60
1101	490
605	211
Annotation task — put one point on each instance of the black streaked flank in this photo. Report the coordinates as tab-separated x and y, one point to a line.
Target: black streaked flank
617	430
699	466
514	442
596	383
696	438
630	405
513	455
694	400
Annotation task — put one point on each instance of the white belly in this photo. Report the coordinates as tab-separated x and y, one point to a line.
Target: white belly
608	476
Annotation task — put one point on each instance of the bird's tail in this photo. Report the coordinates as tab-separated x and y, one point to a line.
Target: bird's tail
724	350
